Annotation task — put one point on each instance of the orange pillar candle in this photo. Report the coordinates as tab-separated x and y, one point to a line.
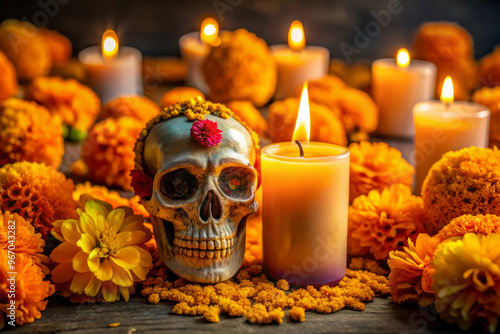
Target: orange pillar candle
305	208
442	126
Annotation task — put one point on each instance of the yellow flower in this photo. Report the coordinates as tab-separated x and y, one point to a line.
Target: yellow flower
467	280
375	166
102	253
382	221
411	271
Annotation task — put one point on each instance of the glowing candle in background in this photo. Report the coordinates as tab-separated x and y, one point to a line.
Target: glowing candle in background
297	63
112	70
443	126
305	189
195	47
398	84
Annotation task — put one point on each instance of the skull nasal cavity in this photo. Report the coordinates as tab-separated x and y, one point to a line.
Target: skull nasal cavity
210	203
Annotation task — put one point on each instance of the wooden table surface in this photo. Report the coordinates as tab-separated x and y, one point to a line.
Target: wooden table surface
137	315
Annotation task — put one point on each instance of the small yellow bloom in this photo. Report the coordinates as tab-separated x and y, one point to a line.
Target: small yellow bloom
467	280
102	253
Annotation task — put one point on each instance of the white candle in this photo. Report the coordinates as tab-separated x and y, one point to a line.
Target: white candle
297	63
195	47
443	126
397	85
112	70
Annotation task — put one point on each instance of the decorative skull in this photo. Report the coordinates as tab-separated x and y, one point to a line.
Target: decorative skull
201	196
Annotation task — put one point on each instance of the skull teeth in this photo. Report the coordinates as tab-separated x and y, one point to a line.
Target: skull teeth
211	249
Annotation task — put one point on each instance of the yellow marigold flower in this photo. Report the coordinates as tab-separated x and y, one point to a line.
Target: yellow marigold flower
108	151
467	280
31	291
382	221
102	253
87	191
38	193
138	107
375	166
75	103
19	235
411	271
29	133
470	224
489	69
462	182
490	97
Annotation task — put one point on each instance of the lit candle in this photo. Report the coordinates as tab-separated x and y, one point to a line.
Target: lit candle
112	70
195	47
305	200
397	85
297	63
442	126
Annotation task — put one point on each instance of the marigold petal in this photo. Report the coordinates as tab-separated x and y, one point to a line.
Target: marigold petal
79	282
115	218
121	276
109	291
127	257
64	253
80	263
93	287
94	263
125	292
87	243
71	231
105	271
62	273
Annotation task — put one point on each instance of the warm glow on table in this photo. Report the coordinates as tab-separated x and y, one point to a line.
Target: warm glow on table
443	126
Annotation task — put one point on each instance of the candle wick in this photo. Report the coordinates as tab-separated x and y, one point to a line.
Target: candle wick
300	148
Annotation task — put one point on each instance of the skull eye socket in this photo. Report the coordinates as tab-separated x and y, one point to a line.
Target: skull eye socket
179	184
237	182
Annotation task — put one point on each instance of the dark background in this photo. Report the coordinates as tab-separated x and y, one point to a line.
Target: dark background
155	26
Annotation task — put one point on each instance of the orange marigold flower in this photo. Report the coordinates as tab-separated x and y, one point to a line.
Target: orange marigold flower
470	224
467	280
138	107
102	253
29	133
411	271
375	166
86	191
31	290
250	115
36	192
108	151
59	46
462	182
382	221
76	104
490	97
230	69
8	79
355	108
16	233
24	45
180	94
489	69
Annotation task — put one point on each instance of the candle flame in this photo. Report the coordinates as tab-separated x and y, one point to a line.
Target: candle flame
403	58
109	44
296	38
447	91
302	130
210	31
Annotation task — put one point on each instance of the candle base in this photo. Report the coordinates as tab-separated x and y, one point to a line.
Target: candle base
296	281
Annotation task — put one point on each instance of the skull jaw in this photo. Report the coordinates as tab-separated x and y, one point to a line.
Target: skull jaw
196	269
